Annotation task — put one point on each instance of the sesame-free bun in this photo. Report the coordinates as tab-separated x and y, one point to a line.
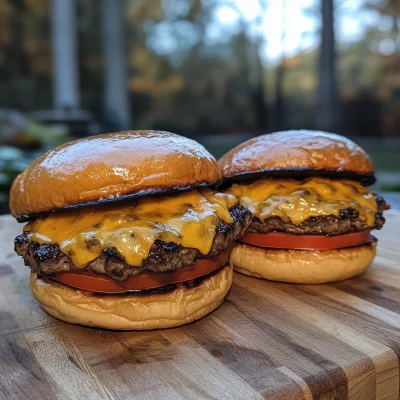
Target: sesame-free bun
108	167
302	266
298	152
133	312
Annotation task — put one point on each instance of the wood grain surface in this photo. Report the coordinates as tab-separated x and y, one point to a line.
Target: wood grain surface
268	340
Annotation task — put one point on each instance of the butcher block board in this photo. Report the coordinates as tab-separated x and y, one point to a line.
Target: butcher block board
268	340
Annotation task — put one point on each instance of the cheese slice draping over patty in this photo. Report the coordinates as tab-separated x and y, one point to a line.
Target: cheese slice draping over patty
189	219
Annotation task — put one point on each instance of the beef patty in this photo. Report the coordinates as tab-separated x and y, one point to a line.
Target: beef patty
348	221
163	257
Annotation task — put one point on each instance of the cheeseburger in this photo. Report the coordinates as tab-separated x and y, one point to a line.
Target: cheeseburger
312	212
124	230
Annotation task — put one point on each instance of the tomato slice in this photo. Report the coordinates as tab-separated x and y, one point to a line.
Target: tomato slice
103	284
306	242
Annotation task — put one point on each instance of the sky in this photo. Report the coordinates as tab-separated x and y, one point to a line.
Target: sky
301	27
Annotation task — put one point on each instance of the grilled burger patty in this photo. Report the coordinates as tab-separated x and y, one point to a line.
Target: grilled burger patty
330	225
163	257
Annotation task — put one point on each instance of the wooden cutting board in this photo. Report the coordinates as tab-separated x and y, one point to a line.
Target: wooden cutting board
267	340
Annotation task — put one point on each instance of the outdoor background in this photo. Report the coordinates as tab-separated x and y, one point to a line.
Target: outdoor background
219	71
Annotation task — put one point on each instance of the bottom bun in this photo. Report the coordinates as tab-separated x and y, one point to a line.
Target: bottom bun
133	312
302	266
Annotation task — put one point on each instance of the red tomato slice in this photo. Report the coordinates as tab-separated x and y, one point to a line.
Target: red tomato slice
99	283
306	242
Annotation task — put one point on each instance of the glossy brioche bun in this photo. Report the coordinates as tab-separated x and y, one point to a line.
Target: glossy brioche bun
133	312
297	150
111	166
302	266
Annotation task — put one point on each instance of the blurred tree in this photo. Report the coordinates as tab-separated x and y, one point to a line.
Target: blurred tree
370	72
14	55
327	112
24	53
191	73
181	77
279	104
259	95
389	9
90	61
255	68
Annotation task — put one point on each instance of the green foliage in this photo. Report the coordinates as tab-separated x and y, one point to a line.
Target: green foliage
391	188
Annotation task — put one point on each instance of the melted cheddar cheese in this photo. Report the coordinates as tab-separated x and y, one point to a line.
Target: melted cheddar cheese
189	219
295	201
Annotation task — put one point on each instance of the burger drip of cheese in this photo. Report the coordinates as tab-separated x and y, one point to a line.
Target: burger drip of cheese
127	230
312	212
189	219
296	201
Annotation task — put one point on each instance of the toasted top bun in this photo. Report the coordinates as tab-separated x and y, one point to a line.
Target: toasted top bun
109	167
298	152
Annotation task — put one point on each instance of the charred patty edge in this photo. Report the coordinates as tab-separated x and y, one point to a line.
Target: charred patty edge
47	259
330	225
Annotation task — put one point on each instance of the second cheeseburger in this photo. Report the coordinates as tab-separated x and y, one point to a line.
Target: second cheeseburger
312	214
125	231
